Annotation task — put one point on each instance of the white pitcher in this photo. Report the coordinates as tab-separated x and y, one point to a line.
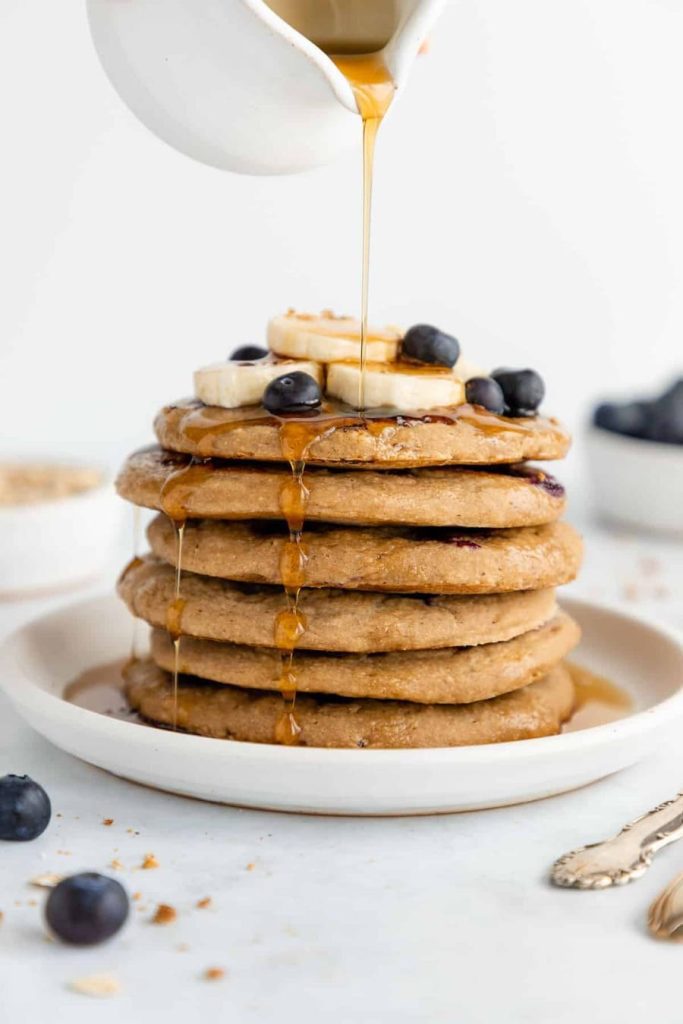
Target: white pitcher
234	85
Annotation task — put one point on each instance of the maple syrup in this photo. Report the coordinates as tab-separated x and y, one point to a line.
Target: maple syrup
598	700
101	689
173	492
135	561
373	89
200	426
336	26
290	623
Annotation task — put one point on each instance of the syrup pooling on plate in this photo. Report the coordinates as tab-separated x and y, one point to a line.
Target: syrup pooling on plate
373	89
100	689
598	700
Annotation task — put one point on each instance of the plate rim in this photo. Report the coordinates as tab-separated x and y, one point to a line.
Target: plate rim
16	683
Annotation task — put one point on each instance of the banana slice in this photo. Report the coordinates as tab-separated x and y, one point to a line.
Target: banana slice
464	370
329	339
396	385
232	384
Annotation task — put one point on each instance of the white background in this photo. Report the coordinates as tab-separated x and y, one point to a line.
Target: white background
529	199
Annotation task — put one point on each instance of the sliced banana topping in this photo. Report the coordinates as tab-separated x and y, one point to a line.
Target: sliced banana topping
328	338
396	385
231	384
465	370
328	346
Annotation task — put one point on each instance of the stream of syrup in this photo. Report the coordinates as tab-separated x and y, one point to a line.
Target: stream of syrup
373	89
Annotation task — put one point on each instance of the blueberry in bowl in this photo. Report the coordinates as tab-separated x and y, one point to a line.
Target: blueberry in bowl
635	454
656	419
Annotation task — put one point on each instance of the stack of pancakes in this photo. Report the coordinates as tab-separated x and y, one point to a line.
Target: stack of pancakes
431	555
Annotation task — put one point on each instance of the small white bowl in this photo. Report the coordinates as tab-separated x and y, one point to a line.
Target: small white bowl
636	483
55	544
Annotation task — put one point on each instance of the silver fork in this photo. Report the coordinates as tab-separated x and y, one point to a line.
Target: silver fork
627	856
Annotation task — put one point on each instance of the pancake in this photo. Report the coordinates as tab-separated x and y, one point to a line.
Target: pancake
440	561
465	435
451	675
229	712
336	620
448	496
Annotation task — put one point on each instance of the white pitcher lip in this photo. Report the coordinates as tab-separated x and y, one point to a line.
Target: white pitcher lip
403	47
337	81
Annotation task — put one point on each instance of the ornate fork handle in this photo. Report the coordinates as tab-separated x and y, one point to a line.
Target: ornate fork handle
625	857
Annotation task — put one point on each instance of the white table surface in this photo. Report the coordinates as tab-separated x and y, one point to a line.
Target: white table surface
349	920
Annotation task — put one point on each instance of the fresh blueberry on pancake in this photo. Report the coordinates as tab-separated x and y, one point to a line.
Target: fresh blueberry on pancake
248	354
487	392
523	390
296	392
426	344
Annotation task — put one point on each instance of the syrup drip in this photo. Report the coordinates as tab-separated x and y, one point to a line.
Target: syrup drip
373	89
174	493
174	614
135	561
290	624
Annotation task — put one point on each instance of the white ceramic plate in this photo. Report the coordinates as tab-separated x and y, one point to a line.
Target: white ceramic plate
42	658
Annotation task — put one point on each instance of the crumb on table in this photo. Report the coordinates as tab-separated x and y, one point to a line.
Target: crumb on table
164	914
214	973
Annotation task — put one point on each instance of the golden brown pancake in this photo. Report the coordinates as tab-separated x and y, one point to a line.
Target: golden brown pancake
335	620
451	675
230	712
440	561
463	435
447	496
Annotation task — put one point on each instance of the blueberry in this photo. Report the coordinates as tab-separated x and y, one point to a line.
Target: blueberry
248	354
665	423
666	420
295	392
628	418
87	908
487	392
523	390
673	396
25	809
428	344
